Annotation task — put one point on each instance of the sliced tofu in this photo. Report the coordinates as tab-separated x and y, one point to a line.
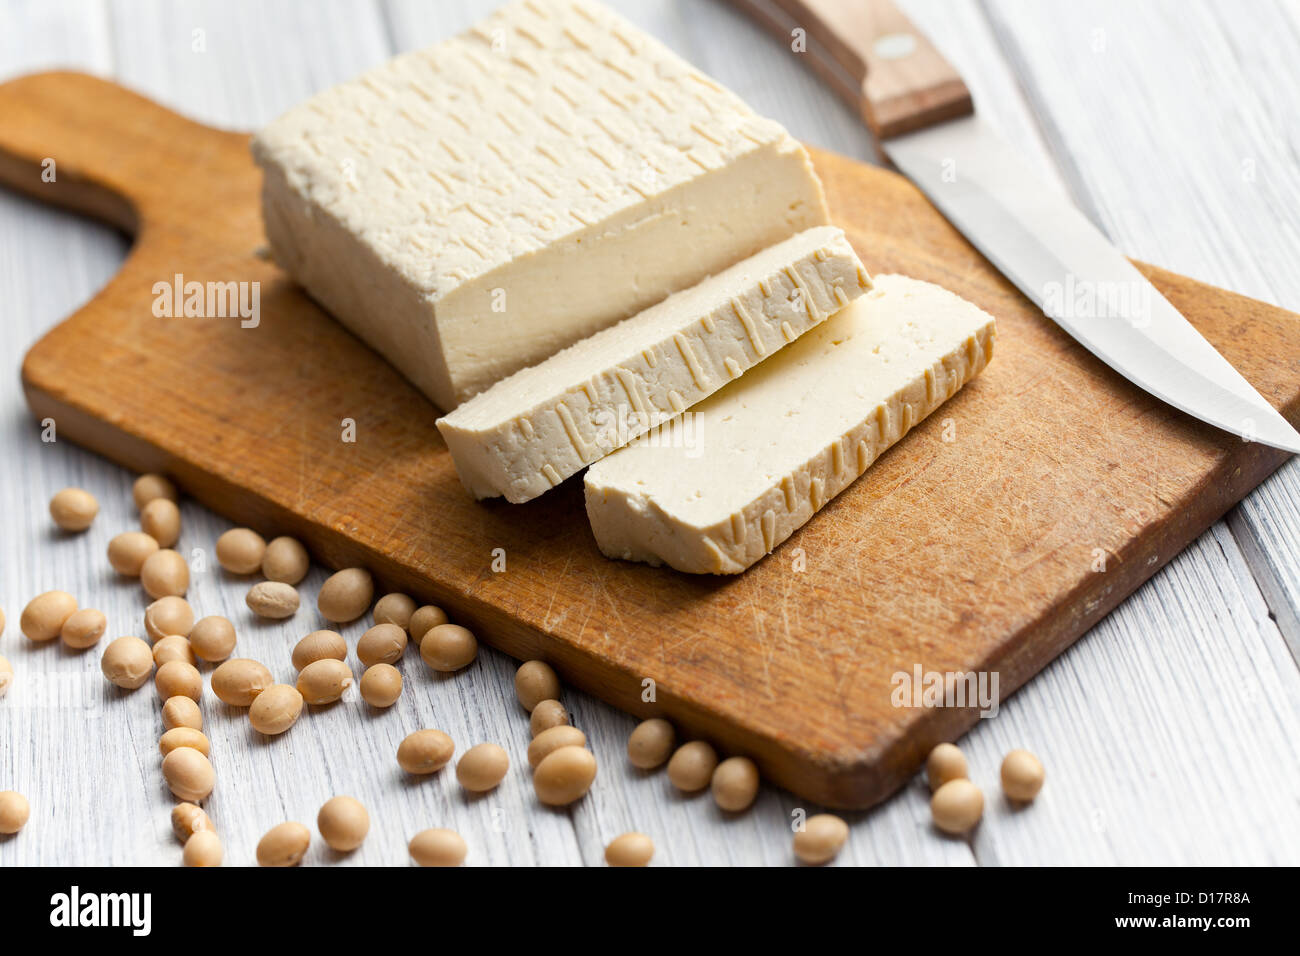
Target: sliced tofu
723	485
472	208
532	430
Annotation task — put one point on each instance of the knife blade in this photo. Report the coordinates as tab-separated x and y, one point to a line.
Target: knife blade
923	118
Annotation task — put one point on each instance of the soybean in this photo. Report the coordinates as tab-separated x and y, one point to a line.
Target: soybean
283	845
189	774
395	608
651	743
630	849
42	619
425	751
74	509
83	628
448	648
127	662
1022	775
213	638
735	784
482	767
203	849
343	823
165	573
438	848
273	600
173	648
189	819
821	839
381	685
324	681
547	714
181	712
6	675
381	644
160	519
239	681
168	615
241	550
345	595
551	740
424	620
564	776
14	811
178	679
946	762
319	646
128	550
957	806
275	709
184	737
535	681
148	487
692	765
285	560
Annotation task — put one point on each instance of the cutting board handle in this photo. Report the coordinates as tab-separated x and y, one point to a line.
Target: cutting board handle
902	81
90	145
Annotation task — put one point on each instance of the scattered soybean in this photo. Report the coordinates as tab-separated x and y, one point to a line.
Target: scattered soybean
381	685
285	560
241	550
83	628
324	681
536	681
482	767
160	519
438	848
42	619
425	751
128	550
239	681
343	823
283	845
448	648
275	709
127	662
273	600
651	743
345	595
74	509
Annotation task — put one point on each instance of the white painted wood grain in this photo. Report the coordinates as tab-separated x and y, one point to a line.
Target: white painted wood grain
1167	732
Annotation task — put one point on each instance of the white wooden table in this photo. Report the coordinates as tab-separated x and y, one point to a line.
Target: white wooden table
1169	732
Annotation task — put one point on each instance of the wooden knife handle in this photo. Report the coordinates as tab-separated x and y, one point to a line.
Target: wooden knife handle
904	83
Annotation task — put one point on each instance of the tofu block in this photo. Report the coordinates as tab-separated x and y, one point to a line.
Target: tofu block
723	485
529	432
472	208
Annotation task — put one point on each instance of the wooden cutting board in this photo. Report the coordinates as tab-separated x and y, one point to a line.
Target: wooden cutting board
998	532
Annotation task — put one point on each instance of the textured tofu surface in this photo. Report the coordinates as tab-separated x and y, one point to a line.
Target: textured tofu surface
530	431
726	483
472	208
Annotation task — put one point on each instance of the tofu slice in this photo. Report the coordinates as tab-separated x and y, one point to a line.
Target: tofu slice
472	208
529	432
717	489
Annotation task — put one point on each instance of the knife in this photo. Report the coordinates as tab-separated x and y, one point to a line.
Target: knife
924	120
